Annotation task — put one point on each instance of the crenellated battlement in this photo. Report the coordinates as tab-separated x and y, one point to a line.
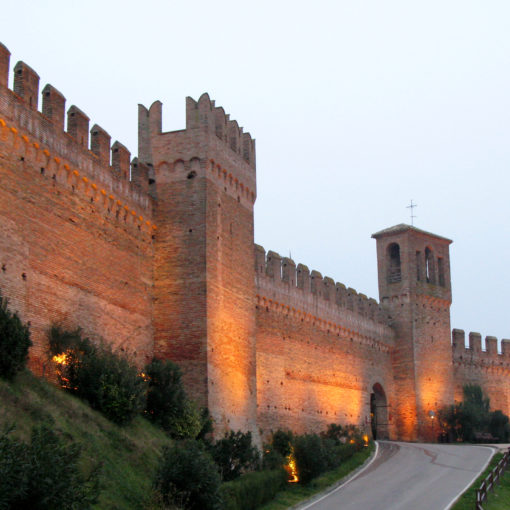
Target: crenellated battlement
474	354
106	166
212	144
301	292
205	114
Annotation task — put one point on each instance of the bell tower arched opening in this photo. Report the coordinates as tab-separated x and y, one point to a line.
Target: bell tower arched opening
394	268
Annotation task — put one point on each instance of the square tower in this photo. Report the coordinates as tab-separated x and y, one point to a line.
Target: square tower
203	182
415	289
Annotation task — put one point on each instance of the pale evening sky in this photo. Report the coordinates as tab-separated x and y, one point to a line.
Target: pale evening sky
357	107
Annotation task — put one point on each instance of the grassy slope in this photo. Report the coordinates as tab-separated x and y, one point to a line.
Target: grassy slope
129	454
296	493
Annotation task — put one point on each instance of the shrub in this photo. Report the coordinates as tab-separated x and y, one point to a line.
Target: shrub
44	474
165	394
310	457
272	459
474	412
14	342
470	419
335	432
498	426
252	490
167	404
282	442
235	454
98	375
188	477
188	423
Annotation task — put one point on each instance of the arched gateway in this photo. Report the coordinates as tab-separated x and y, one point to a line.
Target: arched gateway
379	412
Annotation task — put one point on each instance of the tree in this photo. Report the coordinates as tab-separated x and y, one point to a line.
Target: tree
165	393
311	459
98	375
499	426
14	342
44	474
235	454
188	477
468	419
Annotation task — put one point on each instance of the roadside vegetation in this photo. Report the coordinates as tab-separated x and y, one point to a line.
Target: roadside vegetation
499	498
472	420
116	436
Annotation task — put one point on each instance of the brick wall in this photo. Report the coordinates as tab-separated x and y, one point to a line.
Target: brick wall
487	368
76	240
321	348
156	256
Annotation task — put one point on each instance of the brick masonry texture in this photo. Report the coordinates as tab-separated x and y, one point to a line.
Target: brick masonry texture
156	256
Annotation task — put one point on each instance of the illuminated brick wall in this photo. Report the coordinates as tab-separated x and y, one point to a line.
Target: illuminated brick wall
76	236
157	256
487	368
321	348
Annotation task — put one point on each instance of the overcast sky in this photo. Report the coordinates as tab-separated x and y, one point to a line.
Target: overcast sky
357	107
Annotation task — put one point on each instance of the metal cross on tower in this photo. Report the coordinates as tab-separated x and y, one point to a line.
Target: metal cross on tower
412	206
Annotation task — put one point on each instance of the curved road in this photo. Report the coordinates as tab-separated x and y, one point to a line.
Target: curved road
409	476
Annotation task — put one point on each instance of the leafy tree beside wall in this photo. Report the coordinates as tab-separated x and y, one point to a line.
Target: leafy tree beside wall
14	342
472	420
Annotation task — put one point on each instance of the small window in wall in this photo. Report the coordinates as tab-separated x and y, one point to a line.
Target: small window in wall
394	269
429	266
418	266
440	270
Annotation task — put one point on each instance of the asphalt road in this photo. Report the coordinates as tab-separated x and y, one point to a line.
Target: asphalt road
409	476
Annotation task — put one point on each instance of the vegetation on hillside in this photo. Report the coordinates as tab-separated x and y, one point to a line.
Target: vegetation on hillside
43	474
89	444
14	342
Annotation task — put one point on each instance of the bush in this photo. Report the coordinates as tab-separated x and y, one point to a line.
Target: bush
167	404
188	477
282	442
235	454
310	457
44	474
96	374
498	426
272	459
471	419
252	490
336	432
165	394
14	342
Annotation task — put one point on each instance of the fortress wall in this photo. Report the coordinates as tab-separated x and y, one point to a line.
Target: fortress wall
76	232
320	349
487	368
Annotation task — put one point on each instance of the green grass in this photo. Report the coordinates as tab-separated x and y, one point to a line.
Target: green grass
499	498
295	493
468	499
129	454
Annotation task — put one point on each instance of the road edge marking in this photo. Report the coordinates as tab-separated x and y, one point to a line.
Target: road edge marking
347	481
454	500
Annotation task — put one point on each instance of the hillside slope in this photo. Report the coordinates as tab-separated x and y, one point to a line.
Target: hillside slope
129	454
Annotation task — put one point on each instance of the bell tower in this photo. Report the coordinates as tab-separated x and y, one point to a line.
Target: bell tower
415	290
